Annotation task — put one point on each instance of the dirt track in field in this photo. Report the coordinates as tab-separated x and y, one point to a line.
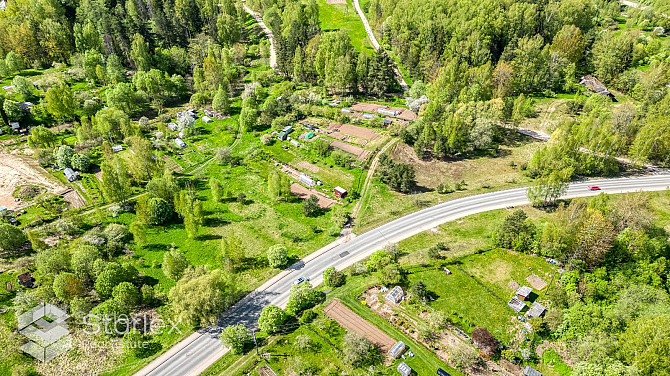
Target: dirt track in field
351	321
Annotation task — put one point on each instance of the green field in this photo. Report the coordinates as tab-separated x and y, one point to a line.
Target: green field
341	16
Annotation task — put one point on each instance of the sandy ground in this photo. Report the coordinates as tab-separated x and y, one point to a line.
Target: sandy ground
403	113
18	170
536	281
351	321
304	193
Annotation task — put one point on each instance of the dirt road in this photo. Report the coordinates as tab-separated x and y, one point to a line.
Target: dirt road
268	32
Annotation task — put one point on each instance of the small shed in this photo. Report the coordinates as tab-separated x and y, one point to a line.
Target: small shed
530	371
179	142
7	87
346	110
173	126
397	349
295	143
70	174
117	148
387	122
369	116
309	135
14	125
516	304
306	180
523	292
595	86
396	295
536	310
404	369
340	192
207	119
26	280
446	270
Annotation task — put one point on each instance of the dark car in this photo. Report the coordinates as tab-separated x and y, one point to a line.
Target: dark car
442	372
13	222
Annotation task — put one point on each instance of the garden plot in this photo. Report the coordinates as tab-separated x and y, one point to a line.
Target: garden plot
16	171
401	113
304	193
360	154
353	130
351	321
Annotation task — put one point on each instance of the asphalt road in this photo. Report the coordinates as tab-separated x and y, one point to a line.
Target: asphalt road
196	353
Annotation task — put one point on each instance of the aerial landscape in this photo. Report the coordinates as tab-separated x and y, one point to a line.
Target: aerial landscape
335	187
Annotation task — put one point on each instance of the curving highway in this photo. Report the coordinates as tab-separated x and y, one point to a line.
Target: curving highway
193	355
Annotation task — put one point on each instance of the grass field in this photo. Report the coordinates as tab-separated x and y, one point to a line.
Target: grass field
341	16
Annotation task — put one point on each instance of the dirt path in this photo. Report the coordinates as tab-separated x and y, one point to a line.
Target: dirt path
376	45
370	174
268	32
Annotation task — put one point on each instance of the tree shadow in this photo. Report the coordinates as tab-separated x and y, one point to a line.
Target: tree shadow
148	280
208	237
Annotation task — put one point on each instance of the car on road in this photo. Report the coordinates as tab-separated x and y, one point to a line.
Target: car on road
300	280
594	188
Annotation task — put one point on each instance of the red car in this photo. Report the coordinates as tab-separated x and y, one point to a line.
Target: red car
594	188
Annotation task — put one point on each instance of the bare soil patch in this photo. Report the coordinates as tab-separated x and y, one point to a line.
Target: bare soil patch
402	113
351	321
360	154
304	193
15	171
355	131
536	281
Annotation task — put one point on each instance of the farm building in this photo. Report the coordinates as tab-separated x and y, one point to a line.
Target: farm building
179	142
595	86
396	295
536	310
530	371
207	119
26	280
70	174
523	292
404	369
340	192
387	112
516	304
173	126
117	148
397	349
306	180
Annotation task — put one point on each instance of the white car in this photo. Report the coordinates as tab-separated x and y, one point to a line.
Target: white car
300	280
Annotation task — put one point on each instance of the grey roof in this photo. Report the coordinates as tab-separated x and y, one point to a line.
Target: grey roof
516	304
180	142
536	310
530	371
397	349
524	291
117	148
207	119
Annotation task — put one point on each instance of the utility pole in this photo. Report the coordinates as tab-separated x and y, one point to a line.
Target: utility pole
256	343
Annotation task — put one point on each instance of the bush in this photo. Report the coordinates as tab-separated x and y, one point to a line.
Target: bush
277	255
333	278
444	189
236	337
307	316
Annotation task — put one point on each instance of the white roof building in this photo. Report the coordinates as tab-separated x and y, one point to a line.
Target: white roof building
117	148
179	142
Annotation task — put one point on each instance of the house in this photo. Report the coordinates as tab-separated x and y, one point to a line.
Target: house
536	310
595	86
396	295
340	192
295	143
516	304
387	112
180	143
523	292
117	148
207	119
26	280
173	126
397	349
530	371
404	369
70	174
306	180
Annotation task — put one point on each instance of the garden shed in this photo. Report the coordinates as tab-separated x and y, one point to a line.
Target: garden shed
523	292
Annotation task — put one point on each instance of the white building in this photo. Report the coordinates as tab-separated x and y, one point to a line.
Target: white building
179	142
